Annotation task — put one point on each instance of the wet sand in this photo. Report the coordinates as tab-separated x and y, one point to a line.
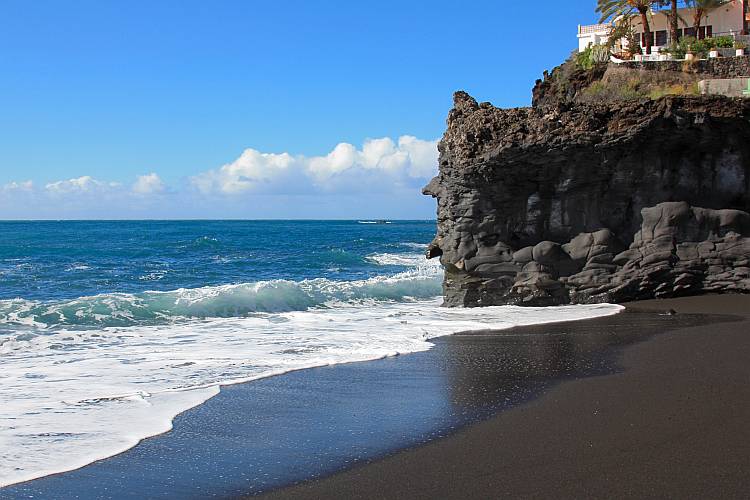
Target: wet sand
598	408
673	423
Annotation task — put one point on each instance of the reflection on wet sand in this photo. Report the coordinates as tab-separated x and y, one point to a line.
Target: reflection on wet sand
493	370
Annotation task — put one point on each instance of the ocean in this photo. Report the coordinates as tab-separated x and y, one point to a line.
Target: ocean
110	329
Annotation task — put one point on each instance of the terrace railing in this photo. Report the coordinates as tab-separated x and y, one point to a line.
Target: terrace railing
734	34
593	28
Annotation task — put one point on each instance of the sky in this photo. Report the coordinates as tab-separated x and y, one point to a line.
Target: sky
248	109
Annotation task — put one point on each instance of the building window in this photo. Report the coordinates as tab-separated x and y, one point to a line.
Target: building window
703	32
661	38
658	39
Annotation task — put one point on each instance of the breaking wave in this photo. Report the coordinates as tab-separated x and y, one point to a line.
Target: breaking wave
224	301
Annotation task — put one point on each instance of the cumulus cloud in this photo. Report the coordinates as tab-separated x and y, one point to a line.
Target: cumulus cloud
380	164
148	184
251	170
379	178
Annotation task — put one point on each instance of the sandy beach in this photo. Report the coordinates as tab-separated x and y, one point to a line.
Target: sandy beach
671	424
640	404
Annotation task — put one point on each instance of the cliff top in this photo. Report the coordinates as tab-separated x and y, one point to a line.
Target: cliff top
572	82
477	132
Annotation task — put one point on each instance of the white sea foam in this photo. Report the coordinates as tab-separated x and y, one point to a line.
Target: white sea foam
403	259
77	267
67	391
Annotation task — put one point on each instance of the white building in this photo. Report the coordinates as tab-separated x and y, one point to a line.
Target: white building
592	34
731	19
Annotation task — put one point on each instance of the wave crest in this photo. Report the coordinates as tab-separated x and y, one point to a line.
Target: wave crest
224	301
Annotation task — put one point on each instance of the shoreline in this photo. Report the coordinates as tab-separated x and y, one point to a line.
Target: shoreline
196	392
418	401
671	423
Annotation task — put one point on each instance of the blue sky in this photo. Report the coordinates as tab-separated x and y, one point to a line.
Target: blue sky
181	108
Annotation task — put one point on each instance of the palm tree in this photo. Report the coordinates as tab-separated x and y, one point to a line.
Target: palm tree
673	18
612	9
674	27
703	8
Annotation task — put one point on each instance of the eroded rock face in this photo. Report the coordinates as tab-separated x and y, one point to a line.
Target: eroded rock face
566	204
680	250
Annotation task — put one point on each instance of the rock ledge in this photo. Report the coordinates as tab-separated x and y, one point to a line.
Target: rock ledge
591	203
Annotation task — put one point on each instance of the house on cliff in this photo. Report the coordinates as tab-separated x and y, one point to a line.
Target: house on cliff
730	19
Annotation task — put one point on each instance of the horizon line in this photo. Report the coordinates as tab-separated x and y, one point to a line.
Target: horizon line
362	219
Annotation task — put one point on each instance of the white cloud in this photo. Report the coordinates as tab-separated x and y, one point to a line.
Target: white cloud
380	178
251	170
19	186
83	184
148	184
340	159
423	156
381	164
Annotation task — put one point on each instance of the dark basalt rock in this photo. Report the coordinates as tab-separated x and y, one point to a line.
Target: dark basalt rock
589	203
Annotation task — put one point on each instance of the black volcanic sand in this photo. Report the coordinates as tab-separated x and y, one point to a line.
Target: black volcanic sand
673	423
669	413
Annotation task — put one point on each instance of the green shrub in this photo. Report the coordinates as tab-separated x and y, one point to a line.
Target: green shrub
700	48
680	48
601	91
691	44
723	42
591	56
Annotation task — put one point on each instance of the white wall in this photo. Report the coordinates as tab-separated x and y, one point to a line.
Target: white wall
723	20
592	35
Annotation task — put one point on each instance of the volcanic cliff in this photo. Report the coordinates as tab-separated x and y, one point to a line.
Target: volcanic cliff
572	201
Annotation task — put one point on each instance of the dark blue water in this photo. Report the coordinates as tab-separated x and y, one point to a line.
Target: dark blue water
65	260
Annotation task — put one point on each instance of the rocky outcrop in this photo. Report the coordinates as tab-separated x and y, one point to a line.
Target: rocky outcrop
680	250
587	203
568	83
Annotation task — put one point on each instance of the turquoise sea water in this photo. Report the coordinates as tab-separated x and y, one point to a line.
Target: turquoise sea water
108	330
